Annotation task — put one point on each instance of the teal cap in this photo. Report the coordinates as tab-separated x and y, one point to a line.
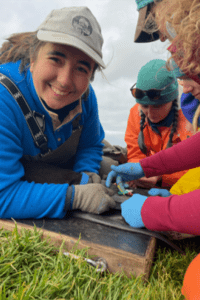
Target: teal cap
154	75
143	3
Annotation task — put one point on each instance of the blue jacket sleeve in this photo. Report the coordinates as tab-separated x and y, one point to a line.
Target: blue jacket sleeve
188	106
20	199
89	154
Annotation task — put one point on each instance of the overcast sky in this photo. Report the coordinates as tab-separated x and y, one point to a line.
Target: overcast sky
123	57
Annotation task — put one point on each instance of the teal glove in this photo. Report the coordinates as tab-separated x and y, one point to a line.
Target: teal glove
131	210
123	173
159	192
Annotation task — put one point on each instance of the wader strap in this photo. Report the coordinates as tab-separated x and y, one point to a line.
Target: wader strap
67	150
39	137
35	122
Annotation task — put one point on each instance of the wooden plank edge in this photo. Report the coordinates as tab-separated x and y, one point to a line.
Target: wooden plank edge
149	257
117	260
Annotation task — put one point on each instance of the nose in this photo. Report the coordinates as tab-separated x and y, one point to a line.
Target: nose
151	109
65	76
148	111
162	37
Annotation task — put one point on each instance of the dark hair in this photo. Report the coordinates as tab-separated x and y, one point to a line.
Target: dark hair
141	142
21	46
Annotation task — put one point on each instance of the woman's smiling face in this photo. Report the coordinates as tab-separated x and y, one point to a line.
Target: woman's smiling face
61	74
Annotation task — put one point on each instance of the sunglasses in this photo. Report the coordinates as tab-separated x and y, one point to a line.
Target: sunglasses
153	94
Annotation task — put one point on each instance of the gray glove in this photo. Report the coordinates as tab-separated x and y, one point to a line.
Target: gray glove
93	198
93	177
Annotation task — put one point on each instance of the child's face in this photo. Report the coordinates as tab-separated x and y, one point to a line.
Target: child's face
156	113
190	86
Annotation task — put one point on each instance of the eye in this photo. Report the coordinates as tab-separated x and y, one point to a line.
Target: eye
83	69
57	60
158	106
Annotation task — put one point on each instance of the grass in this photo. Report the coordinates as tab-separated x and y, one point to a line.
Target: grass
30	268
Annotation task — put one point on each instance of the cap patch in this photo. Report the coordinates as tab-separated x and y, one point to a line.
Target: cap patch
82	25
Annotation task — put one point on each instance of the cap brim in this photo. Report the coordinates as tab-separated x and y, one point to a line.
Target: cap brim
141	36
65	39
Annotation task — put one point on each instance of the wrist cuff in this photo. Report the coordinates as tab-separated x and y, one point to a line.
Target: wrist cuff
69	198
140	170
84	179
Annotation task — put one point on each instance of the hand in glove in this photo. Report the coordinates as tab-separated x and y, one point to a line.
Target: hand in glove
131	210
92	177
159	192
85	178
125	172
92	198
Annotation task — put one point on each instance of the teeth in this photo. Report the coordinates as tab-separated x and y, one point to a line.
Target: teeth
58	92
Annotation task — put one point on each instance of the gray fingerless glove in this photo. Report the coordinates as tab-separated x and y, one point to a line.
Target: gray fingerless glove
92	198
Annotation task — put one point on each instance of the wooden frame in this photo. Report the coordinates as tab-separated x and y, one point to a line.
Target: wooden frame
118	260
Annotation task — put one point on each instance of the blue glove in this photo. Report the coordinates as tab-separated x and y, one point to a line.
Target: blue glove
125	172
131	210
159	192
84	179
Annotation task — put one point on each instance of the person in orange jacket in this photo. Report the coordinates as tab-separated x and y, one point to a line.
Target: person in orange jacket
191	282
155	122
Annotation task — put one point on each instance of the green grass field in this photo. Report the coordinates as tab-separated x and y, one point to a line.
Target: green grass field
30	268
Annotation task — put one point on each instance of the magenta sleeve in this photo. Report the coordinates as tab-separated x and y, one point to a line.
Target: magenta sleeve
174	213
182	156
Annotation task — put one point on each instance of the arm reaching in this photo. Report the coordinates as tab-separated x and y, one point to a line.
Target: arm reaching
125	172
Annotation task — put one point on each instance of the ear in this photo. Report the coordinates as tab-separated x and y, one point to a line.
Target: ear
31	66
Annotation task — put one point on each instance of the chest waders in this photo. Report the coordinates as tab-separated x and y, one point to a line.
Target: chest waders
48	166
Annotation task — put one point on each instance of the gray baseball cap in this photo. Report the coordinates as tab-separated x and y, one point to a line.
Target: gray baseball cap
74	26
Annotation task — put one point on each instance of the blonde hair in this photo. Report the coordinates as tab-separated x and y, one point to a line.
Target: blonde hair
184	17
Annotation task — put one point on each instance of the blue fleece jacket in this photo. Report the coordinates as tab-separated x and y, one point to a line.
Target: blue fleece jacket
20	199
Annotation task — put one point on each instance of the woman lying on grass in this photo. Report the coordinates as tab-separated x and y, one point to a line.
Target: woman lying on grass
57	122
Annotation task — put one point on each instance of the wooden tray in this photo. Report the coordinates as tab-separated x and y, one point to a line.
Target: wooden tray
124	251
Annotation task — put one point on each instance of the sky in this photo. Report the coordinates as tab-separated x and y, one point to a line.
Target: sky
123	57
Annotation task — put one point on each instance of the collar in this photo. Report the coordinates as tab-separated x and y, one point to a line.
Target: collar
77	109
